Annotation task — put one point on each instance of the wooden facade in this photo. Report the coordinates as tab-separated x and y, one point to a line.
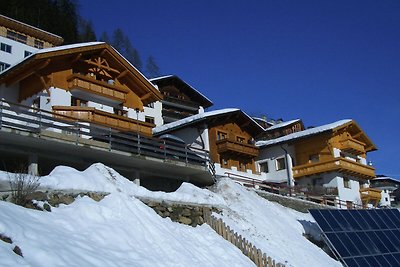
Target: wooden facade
232	143
180	100
29	35
92	72
315	154
275	132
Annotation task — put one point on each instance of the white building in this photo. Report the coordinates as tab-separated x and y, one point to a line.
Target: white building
19	40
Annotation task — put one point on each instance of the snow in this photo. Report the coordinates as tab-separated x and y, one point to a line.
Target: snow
66	47
192	119
304	133
280	125
199	117
122	231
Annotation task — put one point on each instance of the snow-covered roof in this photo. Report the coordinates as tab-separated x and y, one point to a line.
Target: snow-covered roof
281	124
385	178
305	133
191	87
192	119
65	47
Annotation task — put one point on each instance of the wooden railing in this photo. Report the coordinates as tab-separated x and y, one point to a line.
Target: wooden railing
370	195
190	105
335	164
91	114
228	145
78	81
252	252
79	132
352	146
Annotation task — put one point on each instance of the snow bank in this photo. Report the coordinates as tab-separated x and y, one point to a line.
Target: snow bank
274	229
100	178
117	231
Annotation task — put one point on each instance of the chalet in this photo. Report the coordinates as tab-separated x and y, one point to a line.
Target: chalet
19	40
331	156
228	135
180	100
389	189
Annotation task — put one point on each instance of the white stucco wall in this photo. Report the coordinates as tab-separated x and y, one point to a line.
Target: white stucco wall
270	155
17	51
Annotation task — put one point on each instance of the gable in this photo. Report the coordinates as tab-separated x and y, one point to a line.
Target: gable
95	67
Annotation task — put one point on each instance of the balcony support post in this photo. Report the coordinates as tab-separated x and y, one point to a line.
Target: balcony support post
33	165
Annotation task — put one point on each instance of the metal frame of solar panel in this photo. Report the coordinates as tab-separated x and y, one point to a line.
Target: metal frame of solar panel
361	237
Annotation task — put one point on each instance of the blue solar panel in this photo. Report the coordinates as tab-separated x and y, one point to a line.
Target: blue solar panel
362	238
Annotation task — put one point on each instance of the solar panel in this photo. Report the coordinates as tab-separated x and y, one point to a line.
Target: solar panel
362	238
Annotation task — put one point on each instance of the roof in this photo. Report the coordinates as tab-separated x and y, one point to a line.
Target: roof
185	87
302	134
30	30
385	178
203	117
281	125
42	57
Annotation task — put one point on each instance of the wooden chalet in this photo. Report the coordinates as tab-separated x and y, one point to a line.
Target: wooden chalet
91	82
27	34
230	137
180	100
332	155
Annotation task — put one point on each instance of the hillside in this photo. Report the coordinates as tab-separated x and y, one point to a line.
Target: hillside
120	230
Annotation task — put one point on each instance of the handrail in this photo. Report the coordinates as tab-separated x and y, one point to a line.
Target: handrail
17	116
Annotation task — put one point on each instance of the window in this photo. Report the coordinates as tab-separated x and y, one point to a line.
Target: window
264	167
346	182
27	53
5	47
386	199
280	164
149	119
150	105
221	135
120	112
39	44
4	66
78	102
16	36
240	139
314	158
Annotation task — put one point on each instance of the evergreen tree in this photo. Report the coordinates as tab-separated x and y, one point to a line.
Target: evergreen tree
123	45
86	31
152	69
104	38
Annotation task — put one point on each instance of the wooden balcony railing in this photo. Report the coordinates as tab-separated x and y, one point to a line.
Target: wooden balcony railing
78	81
336	164
229	146
352	146
91	114
370	196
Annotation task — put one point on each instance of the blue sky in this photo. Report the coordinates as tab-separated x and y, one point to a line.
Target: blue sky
320	61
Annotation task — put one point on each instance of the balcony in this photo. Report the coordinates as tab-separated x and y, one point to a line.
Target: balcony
108	91
90	114
342	165
180	103
352	146
370	195
229	146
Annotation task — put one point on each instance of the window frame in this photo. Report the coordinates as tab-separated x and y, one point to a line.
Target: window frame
6	48
280	164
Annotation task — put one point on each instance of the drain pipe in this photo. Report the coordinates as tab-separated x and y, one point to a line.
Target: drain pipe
289	183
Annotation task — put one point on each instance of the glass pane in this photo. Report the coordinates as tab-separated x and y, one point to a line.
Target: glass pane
362	262
338	245
369	244
349	217
358	217
385	236
371	220
378	242
395	216
351	247
320	220
330	218
364	250
350	262
384	217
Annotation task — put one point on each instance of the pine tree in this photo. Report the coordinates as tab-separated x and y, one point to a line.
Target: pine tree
86	31
152	69
104	38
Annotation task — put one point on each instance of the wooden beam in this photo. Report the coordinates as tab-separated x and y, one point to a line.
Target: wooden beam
122	74
146	96
76	58
26	74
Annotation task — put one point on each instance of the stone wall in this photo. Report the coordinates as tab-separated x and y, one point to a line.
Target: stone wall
188	214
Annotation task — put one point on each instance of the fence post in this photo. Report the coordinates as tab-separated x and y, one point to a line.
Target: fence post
138	143
109	139
77	133
1	113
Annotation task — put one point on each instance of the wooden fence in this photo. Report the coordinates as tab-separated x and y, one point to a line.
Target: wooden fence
248	249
